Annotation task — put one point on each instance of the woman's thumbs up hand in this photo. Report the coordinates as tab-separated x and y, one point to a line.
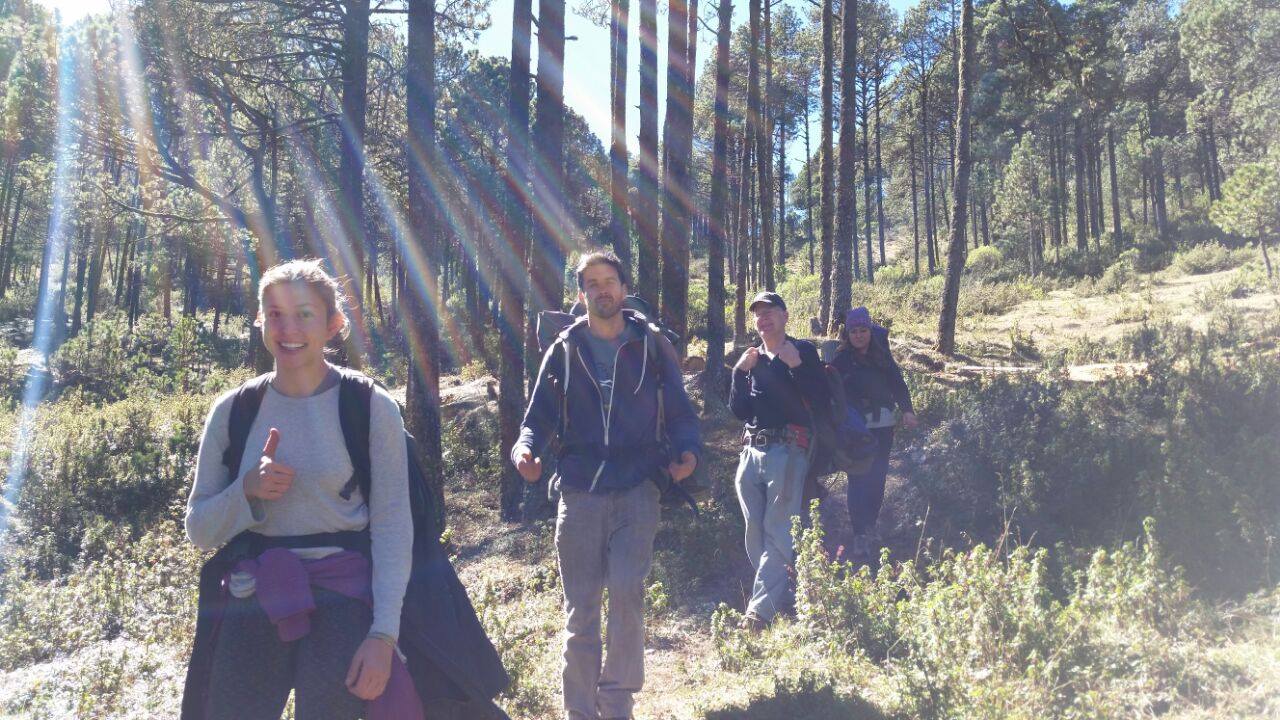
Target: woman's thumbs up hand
270	479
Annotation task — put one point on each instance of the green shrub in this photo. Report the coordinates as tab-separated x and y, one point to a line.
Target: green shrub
1208	258
984	261
97	476
1194	442
144	590
983	633
106	362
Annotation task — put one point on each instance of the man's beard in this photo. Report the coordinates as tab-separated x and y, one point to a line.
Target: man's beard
596	310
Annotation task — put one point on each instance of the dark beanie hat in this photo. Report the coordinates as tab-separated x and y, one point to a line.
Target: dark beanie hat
857	317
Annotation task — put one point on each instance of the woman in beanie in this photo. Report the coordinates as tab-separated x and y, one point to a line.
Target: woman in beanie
874	385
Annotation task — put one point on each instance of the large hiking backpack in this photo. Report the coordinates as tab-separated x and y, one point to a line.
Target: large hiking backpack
842	442
448	654
554	326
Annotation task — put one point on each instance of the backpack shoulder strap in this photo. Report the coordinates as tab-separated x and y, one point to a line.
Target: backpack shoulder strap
244	409
564	340
355	396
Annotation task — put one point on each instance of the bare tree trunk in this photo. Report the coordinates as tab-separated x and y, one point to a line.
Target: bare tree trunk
11	243
808	188
646	217
847	222
866	177
355	82
79	302
1082	239
758	120
915	208
827	170
1115	188
744	241
926	172
956	250
782	189
619	223
1055	208
880	224
547	255
422	394
713	375
676	208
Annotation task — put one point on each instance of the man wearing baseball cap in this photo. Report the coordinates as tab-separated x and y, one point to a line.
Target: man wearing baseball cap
773	387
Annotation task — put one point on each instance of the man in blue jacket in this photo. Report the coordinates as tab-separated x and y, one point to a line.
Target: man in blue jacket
603	385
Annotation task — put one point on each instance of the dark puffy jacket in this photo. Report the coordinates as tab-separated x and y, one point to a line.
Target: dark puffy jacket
870	385
630	453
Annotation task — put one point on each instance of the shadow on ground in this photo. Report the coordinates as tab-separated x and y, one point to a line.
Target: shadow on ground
805	701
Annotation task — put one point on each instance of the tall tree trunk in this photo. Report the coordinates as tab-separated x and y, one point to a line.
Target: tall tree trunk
1082	236
355	82
79	302
782	198
1097	186
646	205
808	189
9	222
1115	187
758	117
1158	204
1215	168
619	219
866	177
847	222
827	169
713	375
744	242
986	228
547	256
915	207
675	173
926	173
422	300
1146	184
1091	187
964	164
973	221
880	223
1055	207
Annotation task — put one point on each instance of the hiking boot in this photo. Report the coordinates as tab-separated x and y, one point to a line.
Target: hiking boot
753	623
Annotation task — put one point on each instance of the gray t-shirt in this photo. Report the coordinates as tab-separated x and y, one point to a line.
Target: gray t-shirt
603	354
311	443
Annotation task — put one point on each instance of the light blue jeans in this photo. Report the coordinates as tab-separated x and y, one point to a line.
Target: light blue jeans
770	485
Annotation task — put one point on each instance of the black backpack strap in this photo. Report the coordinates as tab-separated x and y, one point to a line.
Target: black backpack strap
244	409
355	395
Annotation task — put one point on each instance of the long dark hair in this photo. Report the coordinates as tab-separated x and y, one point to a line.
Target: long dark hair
877	354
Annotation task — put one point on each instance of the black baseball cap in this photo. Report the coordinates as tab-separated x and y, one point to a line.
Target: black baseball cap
768	298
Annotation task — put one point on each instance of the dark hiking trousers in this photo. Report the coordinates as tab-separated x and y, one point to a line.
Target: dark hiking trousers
253	670
866	491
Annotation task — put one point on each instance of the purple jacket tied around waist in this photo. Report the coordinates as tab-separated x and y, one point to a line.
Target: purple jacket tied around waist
283	584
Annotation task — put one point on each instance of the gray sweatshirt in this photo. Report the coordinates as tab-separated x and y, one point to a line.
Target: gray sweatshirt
311	443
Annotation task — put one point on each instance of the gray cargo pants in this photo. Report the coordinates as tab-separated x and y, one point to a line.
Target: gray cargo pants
605	540
770	485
